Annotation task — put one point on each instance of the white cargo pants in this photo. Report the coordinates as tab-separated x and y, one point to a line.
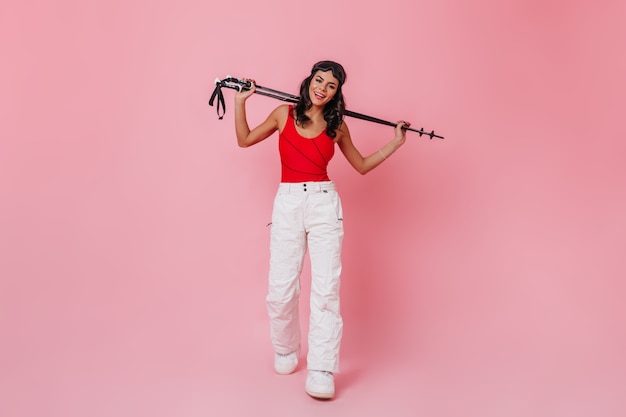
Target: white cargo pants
306	215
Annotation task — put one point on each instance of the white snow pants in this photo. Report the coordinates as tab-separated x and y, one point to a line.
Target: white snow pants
306	215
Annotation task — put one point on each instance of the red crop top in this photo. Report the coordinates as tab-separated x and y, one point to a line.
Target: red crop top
303	159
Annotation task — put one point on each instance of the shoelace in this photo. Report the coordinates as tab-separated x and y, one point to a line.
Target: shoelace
322	374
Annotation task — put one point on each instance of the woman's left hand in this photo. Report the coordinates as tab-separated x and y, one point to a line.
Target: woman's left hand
401	133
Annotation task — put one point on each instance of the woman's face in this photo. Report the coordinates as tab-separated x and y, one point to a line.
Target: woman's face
323	87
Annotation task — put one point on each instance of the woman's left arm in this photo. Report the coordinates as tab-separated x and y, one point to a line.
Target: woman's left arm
365	164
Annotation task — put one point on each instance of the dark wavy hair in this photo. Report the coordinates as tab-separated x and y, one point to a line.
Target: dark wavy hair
333	110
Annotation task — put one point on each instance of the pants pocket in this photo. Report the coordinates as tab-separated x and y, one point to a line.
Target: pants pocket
335	202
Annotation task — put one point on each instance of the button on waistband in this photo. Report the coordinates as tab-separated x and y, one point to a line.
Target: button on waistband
306	187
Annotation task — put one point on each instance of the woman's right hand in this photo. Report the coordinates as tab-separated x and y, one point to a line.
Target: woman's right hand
242	96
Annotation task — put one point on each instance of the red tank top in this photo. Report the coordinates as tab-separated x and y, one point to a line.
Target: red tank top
303	159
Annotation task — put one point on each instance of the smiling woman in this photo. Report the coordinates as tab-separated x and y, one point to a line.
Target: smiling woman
308	214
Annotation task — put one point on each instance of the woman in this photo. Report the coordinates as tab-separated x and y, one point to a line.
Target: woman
307	214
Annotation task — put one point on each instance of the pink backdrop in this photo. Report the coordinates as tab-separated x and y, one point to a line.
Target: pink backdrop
484	274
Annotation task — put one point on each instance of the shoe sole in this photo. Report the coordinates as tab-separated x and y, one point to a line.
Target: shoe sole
320	395
280	372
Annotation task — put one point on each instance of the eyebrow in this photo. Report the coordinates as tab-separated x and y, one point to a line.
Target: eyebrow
324	79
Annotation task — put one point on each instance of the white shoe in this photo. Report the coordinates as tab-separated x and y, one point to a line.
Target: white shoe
320	384
286	364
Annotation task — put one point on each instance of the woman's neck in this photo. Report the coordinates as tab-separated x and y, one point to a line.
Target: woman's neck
316	114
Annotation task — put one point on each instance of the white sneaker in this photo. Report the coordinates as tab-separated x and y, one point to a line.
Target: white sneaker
320	384
286	364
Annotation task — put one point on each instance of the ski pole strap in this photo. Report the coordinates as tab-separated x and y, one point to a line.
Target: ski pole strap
217	94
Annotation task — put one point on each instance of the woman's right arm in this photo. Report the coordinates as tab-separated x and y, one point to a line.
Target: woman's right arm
245	136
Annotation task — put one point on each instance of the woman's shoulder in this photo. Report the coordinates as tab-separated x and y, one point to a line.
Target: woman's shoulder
281	114
285	108
282	110
342	132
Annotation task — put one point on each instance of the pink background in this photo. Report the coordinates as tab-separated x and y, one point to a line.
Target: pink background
484	274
